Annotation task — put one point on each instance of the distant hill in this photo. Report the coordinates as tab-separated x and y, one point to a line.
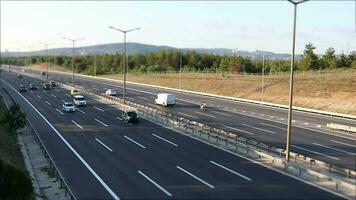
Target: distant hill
135	48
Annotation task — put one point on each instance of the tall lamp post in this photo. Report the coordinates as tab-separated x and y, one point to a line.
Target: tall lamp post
73	43
124	64
180	69
289	129
263	73
46	45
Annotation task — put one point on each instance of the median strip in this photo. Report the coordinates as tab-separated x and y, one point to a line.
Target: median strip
140	145
156	184
103	144
199	179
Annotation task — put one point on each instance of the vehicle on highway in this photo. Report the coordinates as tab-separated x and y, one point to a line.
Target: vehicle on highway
33	87
43	73
68	107
129	116
74	92
165	99
22	88
203	107
46	86
79	100
111	92
53	84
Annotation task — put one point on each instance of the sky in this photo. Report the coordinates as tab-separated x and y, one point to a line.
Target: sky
242	25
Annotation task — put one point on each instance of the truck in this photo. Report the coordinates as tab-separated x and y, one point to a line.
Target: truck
165	99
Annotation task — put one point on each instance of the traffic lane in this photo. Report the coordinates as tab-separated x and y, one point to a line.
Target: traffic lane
69	165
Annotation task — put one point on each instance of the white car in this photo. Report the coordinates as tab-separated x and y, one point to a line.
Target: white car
165	99
110	92
68	107
79	100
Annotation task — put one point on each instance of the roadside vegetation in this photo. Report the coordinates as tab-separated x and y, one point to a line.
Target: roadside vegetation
15	183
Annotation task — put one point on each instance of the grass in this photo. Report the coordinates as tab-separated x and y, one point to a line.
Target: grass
9	148
326	90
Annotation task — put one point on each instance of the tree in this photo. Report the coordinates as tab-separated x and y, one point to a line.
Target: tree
310	59
14	118
329	59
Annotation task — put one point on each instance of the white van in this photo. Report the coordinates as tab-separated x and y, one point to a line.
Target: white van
79	100
165	99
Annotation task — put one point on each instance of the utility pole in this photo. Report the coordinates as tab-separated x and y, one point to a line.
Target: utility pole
73	45
125	63
289	129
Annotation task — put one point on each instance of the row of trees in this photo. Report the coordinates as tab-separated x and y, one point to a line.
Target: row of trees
164	61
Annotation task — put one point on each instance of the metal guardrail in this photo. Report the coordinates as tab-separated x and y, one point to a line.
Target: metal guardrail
341	127
50	160
319	169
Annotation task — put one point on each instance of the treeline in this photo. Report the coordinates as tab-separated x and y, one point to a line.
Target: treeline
167	61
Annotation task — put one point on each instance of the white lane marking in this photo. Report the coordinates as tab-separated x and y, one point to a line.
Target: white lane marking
98	108
48	103
63	100
119	118
107	188
60	111
172	143
39	96
199	179
232	171
315	152
103	144
67	95
31	92
334	149
144	98
261	129
318	125
188	115
77	124
273	126
204	114
306	123
101	122
220	113
236	129
350	145
53	95
80	110
135	142
156	184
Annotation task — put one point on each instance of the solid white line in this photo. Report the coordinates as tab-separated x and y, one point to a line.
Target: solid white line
192	175
107	188
236	129
142	98
101	122
156	184
80	110
204	114
98	108
165	140
221	113
77	124
315	152
135	142
103	144
261	129
273	126
39	96
350	145
60	111
53	95
118	118
334	149
232	171
187	115
47	103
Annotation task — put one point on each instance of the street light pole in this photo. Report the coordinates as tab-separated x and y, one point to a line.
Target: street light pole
125	63
73	46
263	72
180	69
289	129
46	45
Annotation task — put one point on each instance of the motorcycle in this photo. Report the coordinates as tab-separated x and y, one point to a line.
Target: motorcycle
203	107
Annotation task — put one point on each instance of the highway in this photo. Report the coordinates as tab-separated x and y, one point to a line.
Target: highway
147	161
310	135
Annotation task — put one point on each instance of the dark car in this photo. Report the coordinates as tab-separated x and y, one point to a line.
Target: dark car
22	88
33	87
46	86
53	84
129	116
